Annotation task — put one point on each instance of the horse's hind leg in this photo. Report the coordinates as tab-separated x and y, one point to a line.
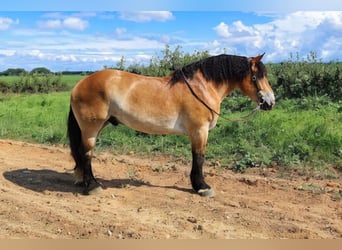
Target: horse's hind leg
89	135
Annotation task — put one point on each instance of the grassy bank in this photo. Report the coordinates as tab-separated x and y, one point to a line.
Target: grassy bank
299	132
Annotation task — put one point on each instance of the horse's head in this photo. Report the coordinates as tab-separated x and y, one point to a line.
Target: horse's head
256	85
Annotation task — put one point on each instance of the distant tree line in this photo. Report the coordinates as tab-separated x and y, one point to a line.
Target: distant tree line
41	71
294	78
20	71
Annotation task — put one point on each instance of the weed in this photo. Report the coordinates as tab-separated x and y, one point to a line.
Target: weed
312	188
337	196
131	173
158	169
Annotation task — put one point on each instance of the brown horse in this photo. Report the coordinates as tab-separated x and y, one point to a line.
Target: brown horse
186	102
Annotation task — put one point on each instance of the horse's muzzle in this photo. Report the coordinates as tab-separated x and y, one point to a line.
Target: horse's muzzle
266	101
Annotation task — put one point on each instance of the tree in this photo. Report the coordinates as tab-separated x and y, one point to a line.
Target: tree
13	72
121	64
41	70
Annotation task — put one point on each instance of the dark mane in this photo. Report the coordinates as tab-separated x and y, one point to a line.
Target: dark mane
219	68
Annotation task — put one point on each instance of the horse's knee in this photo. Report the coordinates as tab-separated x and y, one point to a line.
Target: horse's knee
89	144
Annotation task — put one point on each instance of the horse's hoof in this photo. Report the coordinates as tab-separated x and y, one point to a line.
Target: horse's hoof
206	193
93	188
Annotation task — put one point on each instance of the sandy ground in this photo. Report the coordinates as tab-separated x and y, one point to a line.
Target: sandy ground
151	198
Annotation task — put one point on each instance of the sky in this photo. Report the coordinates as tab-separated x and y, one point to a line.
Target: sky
89	35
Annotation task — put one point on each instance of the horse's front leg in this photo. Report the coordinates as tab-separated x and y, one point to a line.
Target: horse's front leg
198	142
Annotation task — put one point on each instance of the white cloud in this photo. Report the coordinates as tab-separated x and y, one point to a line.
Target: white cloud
5	52
72	23
147	16
222	30
67	58
51	24
75	23
236	29
35	53
120	31
64	51
5	23
295	32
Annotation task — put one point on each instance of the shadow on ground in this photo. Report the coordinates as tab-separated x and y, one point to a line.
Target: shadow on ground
50	180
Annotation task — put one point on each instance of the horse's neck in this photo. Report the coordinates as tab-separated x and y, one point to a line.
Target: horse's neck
223	90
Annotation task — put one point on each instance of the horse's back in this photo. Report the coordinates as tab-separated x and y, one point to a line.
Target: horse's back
101	85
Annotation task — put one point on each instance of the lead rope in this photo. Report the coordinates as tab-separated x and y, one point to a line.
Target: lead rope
252	113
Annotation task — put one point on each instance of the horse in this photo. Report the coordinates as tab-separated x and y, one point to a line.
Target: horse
186	102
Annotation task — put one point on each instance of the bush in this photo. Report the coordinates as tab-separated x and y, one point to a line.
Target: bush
34	83
310	77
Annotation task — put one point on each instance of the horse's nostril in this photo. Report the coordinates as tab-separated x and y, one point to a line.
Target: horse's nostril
268	100
265	105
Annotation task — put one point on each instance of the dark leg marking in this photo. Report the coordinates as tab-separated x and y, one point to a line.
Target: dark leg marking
89	181
196	176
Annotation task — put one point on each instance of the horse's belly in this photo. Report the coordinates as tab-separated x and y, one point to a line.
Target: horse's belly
146	110
151	125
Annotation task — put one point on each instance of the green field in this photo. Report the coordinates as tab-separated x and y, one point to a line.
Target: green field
301	133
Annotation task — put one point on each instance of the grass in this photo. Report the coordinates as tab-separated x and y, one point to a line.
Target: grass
297	133
71	80
35	117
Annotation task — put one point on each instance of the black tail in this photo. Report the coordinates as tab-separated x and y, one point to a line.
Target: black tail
75	140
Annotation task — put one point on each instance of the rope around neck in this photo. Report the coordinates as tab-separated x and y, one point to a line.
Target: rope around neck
243	118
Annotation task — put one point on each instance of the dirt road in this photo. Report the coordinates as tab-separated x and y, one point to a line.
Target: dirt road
151	198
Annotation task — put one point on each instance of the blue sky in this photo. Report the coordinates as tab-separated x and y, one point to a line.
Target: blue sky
83	35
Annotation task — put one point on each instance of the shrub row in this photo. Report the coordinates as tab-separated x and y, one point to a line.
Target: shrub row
303	79
34	83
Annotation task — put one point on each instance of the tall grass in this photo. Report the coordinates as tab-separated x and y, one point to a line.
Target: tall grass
297	131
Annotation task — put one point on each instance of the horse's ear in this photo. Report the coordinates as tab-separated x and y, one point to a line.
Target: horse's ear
257	58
